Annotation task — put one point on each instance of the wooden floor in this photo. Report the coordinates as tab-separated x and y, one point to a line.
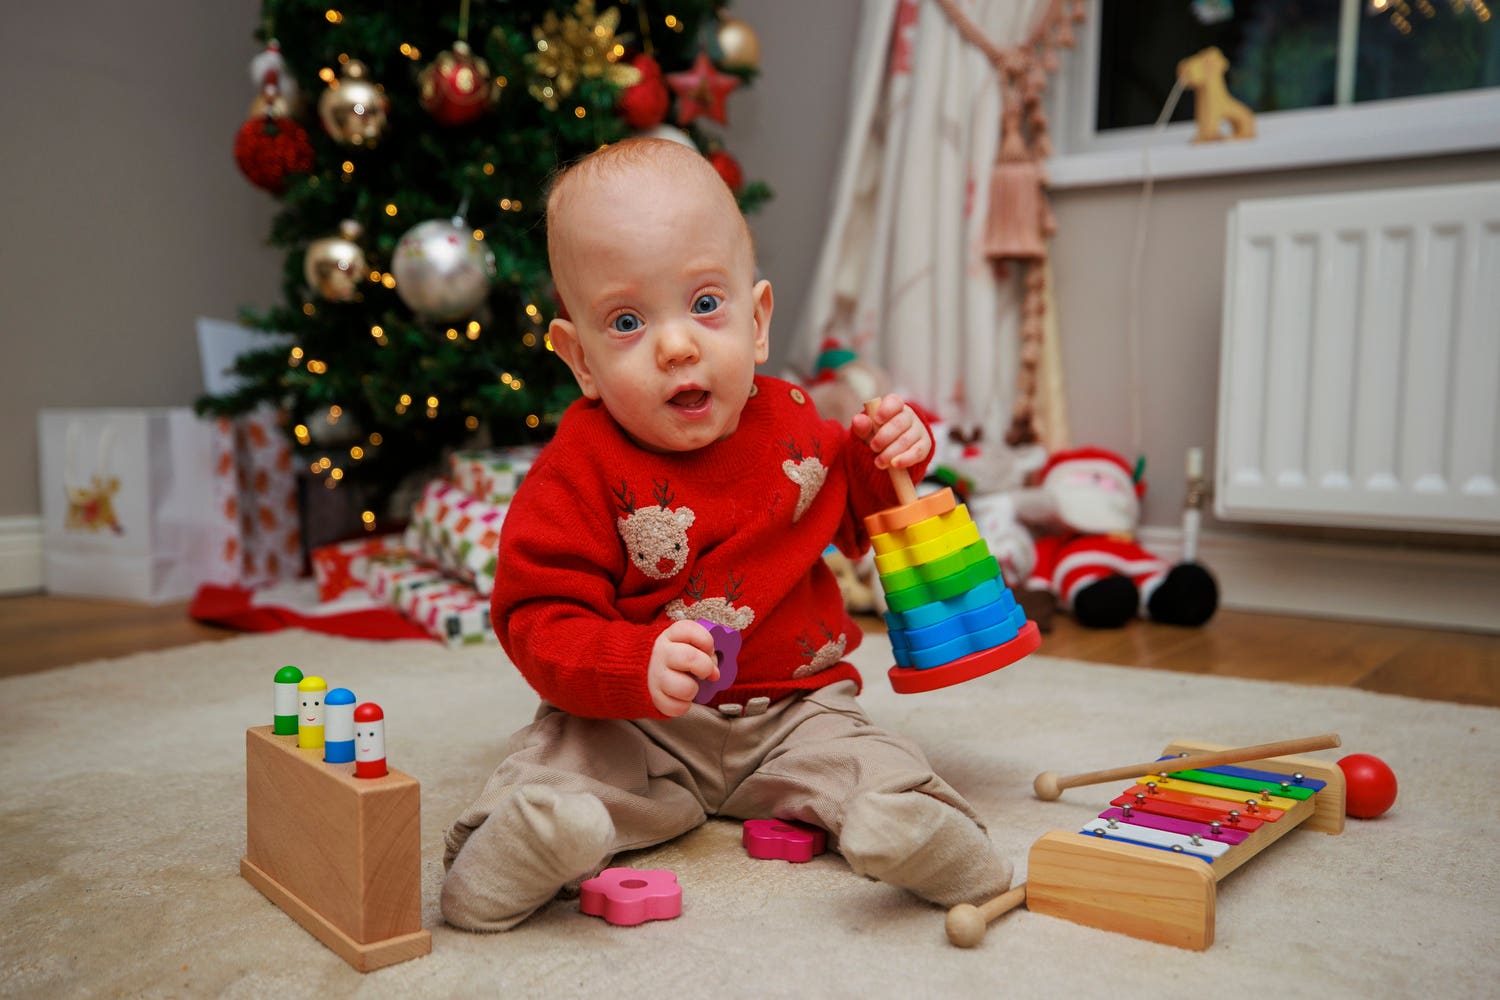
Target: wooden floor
39	632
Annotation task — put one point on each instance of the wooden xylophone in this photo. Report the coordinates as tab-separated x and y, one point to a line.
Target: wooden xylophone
1149	865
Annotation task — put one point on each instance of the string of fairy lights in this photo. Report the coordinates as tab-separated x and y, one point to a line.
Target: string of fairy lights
1402	14
336	444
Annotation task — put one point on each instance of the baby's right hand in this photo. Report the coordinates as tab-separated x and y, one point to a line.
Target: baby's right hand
681	657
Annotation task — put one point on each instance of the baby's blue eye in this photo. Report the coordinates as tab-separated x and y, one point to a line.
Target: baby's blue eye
706	303
626	323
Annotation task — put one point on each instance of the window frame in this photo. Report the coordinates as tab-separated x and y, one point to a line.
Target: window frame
1430	125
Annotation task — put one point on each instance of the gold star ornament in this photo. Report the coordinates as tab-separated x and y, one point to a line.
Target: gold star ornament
582	45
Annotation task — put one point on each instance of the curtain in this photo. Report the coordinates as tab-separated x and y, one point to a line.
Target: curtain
902	277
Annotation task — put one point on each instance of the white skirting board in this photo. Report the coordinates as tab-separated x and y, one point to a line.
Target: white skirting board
1427	588
20	554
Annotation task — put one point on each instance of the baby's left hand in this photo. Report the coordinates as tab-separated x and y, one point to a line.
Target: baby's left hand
898	439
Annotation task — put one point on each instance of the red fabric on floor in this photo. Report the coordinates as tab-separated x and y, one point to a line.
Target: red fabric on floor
233	607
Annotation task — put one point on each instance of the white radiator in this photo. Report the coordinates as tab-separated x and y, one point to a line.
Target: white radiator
1360	370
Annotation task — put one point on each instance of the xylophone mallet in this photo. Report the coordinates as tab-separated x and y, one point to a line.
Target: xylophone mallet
966	923
1048	785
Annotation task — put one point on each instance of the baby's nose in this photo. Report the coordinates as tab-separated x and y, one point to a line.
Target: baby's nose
676	346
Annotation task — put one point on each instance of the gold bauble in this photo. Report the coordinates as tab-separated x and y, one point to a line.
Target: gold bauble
335	265
353	109
738	44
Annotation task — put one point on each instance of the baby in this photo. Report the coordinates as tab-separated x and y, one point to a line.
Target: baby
685	488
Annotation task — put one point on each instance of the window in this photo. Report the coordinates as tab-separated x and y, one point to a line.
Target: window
1328	80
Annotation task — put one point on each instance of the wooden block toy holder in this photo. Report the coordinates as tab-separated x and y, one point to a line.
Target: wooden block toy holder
947	575
340	855
1155	894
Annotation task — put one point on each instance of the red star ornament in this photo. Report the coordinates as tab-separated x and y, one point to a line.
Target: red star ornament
701	90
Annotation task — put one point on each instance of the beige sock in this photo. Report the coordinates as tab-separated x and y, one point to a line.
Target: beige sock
535	840
920	843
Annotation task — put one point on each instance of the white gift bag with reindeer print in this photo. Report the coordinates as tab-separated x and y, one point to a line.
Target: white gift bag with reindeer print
127	503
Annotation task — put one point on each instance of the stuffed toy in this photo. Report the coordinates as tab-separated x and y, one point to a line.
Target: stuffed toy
856	581
1086	507
986	478
842	381
983	477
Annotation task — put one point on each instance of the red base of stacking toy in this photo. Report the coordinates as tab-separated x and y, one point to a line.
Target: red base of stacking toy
905	680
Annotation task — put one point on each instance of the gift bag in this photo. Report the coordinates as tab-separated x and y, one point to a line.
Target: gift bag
127	503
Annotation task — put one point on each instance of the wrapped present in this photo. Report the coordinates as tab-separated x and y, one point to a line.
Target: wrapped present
254	484
458	532
343	566
255	497
453	613
491	476
268	499
394	579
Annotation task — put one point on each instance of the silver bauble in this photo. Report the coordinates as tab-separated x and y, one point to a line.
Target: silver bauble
353	109
335	265
331	428
672	132
441	270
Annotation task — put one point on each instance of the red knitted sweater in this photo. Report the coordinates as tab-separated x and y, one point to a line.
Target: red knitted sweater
605	545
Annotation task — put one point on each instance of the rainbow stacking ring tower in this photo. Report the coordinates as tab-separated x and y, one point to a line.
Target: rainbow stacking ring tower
951	617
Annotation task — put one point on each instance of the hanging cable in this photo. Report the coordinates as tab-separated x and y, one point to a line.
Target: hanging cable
1137	262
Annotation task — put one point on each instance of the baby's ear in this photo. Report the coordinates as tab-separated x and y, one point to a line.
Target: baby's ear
564	336
764	303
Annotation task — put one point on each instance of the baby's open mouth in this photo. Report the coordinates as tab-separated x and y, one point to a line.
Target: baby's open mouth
690	399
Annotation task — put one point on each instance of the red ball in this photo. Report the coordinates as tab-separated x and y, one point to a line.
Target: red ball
644	105
1370	785
728	168
270	151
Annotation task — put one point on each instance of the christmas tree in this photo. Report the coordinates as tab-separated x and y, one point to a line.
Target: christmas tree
409	147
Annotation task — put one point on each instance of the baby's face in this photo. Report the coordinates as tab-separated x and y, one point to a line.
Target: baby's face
667	323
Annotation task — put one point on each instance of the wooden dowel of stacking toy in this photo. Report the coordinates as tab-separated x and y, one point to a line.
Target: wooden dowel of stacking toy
1049	786
967	923
905	492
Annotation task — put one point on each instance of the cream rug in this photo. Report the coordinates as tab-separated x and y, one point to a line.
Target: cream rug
124	821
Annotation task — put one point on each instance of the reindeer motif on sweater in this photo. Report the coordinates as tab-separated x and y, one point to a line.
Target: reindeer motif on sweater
606	544
807	471
720	610
655	537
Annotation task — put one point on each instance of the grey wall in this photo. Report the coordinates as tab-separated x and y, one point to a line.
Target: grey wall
1180	304
126	218
788	129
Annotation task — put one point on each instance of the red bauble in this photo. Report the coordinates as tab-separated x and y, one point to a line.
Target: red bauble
455	89
1370	785
270	150
644	105
728	168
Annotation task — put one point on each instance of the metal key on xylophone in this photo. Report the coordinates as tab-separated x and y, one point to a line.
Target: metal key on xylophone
1195	811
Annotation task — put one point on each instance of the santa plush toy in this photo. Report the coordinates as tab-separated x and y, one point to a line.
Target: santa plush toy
1086	507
